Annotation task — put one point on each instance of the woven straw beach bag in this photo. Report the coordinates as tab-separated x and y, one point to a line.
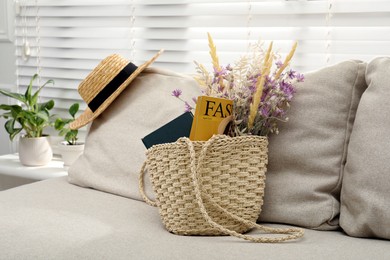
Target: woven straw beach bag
214	187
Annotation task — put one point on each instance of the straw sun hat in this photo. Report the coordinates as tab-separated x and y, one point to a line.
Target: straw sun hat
100	88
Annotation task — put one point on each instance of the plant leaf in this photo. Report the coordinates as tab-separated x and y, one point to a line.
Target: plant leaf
36	94
16	96
27	95
5	107
10	128
71	137
15	110
59	124
73	109
43	115
63	132
46	105
28	117
12	136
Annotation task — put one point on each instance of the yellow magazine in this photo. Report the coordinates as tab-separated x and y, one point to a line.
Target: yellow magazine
209	113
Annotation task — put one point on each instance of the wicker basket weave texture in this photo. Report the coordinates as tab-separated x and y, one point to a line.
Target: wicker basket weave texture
231	176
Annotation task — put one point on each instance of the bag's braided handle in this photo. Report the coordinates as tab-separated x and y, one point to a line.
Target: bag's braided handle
290	233
141	187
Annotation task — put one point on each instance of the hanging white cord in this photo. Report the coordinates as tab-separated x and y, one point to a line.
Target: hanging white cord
18	24
38	41
132	32
26	51
328	40
248	25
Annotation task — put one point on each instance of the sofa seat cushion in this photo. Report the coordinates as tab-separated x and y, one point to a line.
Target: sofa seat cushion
53	219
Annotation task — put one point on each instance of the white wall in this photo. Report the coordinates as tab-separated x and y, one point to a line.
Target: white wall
7	63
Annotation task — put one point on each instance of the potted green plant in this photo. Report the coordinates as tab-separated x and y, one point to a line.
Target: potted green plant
30	118
71	148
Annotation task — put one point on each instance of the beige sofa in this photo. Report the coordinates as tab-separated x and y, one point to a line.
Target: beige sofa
56	220
328	173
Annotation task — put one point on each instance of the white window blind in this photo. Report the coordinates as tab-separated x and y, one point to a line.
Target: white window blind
68	38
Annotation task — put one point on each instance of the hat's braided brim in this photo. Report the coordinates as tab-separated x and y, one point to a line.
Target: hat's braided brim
87	116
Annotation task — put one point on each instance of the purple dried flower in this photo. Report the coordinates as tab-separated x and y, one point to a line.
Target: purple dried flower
300	77
279	64
177	93
188	107
264	111
278	112
291	74
287	89
269	81
221	72
252	88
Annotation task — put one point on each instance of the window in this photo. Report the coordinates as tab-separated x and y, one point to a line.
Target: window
67	39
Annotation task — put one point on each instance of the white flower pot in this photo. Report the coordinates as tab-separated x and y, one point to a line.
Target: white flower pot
35	151
70	153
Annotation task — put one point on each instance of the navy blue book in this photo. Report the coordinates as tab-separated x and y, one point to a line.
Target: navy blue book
170	132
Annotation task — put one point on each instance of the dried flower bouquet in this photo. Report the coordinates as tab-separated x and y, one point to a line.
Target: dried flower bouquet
259	83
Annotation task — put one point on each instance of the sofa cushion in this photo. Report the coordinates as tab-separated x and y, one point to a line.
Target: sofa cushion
56	220
306	160
114	152
365	206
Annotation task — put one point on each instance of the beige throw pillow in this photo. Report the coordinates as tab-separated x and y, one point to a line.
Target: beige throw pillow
365	195
306	160
114	152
